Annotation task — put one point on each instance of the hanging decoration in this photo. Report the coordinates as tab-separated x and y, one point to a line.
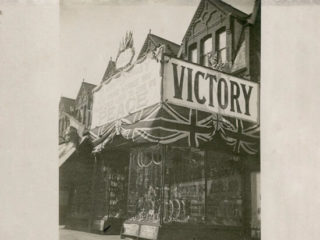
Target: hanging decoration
126	51
183	115
170	124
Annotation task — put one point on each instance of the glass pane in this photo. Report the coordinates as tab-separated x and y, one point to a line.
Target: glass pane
117	191
193	55
205	60
145	185
224	202
223	56
207	46
222	40
206	49
184	191
84	114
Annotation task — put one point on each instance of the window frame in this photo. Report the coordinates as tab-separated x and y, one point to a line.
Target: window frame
193	47
218	50
202	54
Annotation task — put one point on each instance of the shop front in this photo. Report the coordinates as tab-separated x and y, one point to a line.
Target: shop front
189	139
189	193
110	184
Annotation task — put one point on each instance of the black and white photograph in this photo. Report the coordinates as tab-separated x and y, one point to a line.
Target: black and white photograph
159	119
161	137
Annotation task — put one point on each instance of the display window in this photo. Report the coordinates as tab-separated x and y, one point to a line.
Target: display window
144	199
224	190
198	187
117	192
111	186
184	189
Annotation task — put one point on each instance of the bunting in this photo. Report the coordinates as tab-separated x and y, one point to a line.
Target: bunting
166	123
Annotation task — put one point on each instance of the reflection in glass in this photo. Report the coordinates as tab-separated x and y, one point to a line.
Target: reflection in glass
184	191
145	185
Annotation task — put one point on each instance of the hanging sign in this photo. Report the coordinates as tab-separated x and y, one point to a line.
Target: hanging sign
205	89
127	92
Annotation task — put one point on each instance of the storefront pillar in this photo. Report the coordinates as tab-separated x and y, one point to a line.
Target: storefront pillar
93	180
246	202
205	186
163	153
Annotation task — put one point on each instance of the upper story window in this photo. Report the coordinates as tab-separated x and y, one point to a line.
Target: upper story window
84	120
79	116
193	54
221	46
206	48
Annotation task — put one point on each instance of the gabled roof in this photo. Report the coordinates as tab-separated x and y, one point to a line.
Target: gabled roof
66	100
222	6
67	103
225	7
111	69
171	47
255	16
86	86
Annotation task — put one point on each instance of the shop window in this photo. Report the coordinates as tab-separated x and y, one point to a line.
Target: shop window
184	190
193	53
206	49
224	201
222	46
255	205
144	199
117	191
79	116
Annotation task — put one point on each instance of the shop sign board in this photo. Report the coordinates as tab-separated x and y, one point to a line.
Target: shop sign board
127	92
201	88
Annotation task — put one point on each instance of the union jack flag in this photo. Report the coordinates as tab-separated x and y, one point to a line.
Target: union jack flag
166	123
242	137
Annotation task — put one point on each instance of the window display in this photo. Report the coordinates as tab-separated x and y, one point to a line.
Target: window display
224	200
191	177
145	185
111	186
117	193
184	191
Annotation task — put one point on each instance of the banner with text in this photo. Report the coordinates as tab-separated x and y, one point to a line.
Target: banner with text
205	89
127	92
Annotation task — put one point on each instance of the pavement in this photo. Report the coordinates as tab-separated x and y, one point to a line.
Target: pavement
66	234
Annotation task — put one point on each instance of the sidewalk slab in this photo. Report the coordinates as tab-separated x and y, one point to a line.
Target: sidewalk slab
66	234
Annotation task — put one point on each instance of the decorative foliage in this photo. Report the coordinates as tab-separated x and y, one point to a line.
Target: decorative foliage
126	51
215	62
